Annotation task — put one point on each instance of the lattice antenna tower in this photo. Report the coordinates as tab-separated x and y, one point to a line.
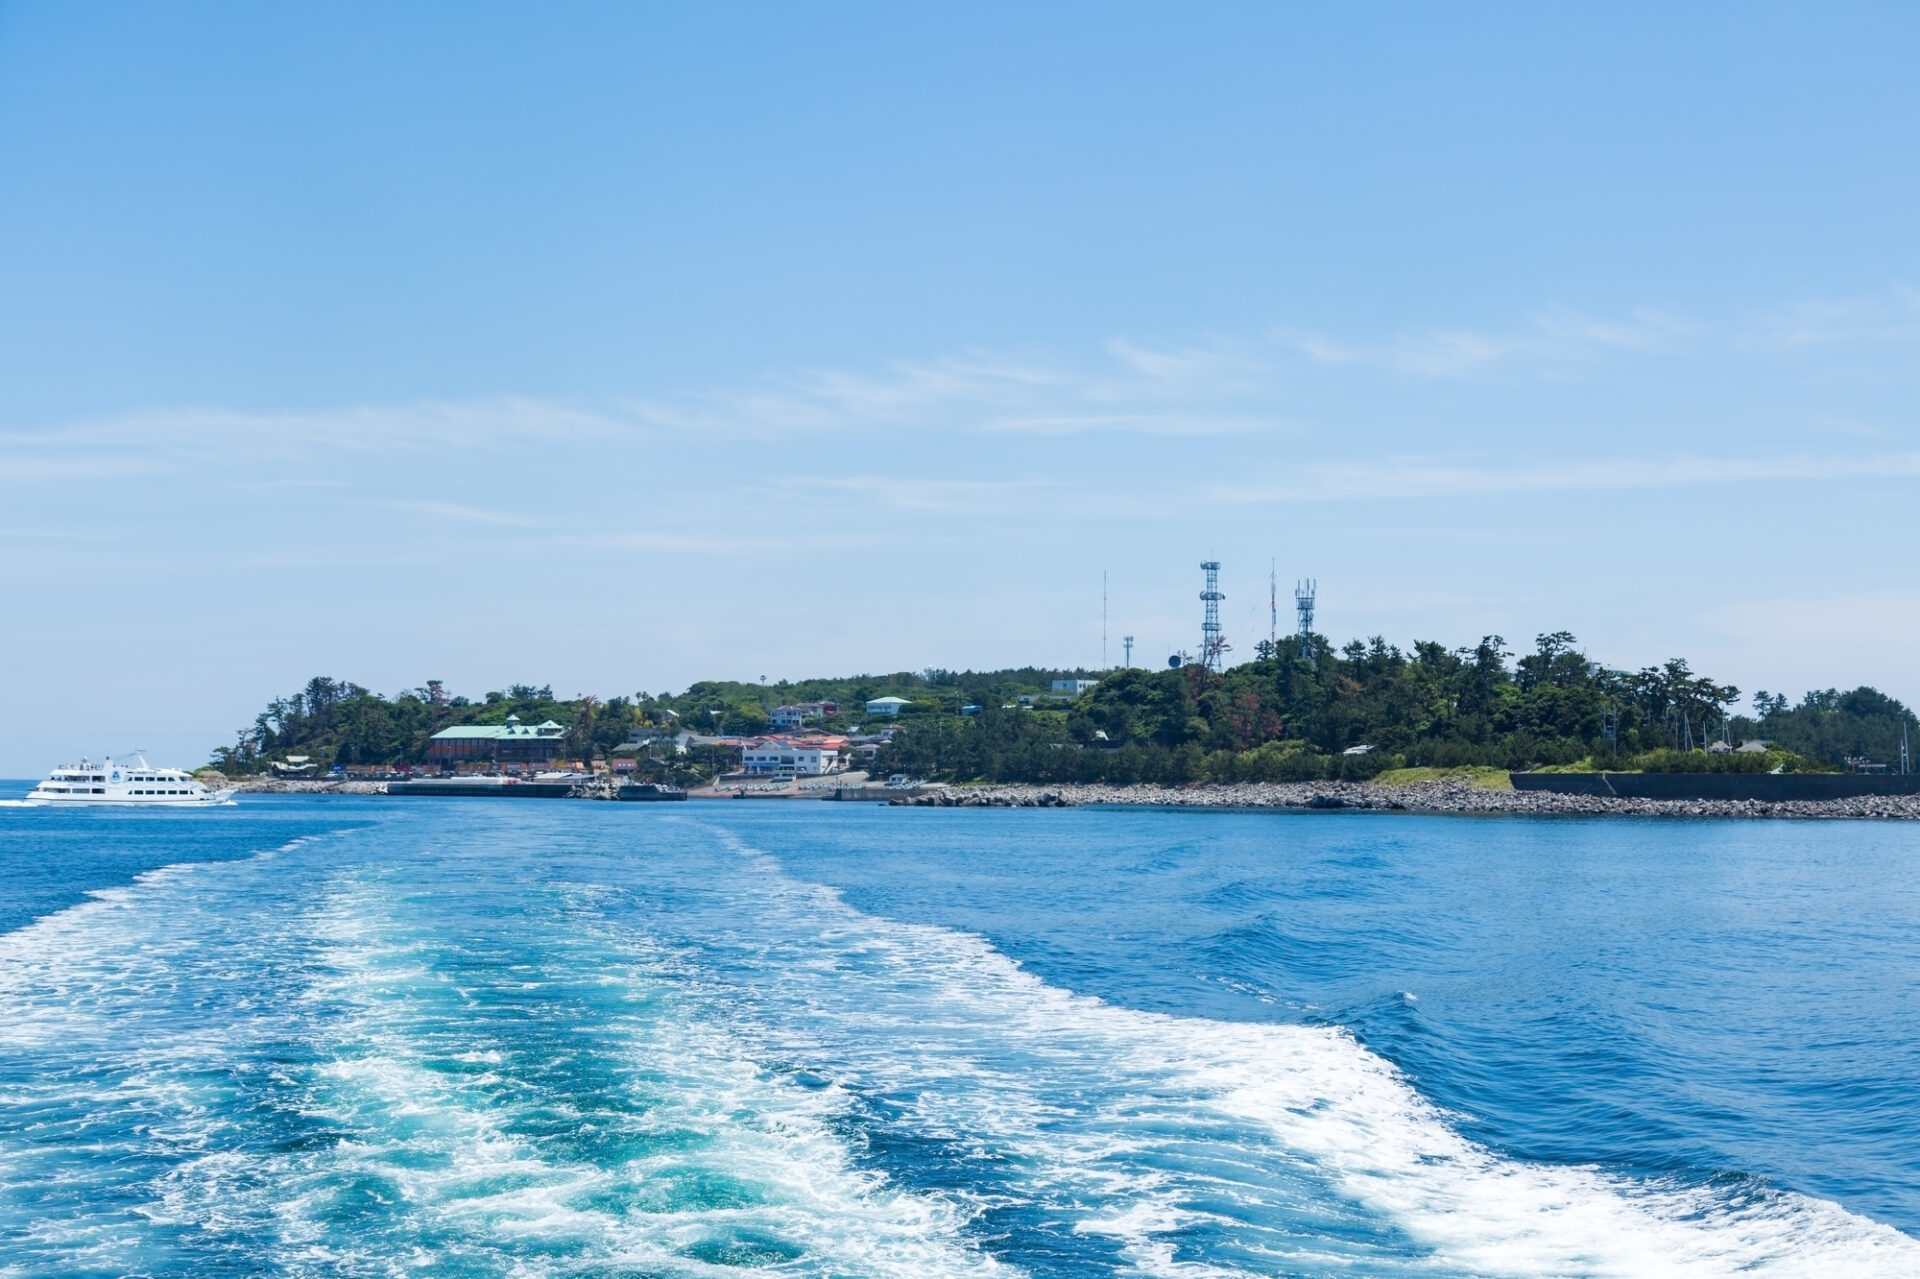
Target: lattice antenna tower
1213	644
1303	594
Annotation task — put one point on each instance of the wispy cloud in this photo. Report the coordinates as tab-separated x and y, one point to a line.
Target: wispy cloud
1567	337
372	429
1556	335
36	469
1428	477
906	393
698	543
465	514
1131	389
1212	362
1828	321
1169	423
915	494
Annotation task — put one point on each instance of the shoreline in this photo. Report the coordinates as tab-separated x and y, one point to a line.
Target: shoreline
1447	796
304	786
1434	797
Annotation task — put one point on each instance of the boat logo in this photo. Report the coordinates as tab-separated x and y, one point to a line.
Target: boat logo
116	774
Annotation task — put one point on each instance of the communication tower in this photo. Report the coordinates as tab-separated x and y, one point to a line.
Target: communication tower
1213	645
1126	642
1303	593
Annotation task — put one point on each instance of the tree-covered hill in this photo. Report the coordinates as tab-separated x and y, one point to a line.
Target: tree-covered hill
334	721
1863	724
1296	711
1293	713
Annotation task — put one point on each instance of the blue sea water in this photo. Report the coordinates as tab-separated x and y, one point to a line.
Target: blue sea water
364	1036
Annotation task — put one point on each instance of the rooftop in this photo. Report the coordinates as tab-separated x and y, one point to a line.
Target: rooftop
487	732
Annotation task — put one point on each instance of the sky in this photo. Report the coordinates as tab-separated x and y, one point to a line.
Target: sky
615	347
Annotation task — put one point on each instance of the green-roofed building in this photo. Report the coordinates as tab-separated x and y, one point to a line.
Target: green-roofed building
508	743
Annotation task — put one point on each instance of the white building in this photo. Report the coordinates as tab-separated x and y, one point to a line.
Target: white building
887	705
1073	687
777	755
787	718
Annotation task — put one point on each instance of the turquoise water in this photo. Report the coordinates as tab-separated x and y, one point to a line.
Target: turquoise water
339	1036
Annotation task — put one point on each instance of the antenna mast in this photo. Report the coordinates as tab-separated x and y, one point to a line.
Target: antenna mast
1303	593
1213	645
1273	604
1126	642
1103	619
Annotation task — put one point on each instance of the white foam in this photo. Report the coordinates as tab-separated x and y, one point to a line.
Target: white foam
467	1182
927	1002
1287	1148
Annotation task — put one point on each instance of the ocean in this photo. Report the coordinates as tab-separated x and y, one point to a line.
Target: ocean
369	1036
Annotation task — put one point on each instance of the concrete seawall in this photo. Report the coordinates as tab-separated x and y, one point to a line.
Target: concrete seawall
1765	788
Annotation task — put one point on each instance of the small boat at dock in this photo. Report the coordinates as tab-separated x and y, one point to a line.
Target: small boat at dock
645	792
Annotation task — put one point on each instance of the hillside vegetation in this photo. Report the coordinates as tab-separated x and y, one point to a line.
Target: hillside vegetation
1298	709
1292	714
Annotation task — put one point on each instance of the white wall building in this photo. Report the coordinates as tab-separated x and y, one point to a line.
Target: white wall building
776	755
887	705
1073	687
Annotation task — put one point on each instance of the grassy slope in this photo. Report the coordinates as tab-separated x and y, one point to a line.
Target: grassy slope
1479	775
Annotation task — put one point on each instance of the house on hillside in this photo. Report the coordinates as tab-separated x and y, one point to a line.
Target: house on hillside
887	705
789	718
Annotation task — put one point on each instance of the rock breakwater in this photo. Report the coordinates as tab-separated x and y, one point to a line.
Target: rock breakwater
1421	797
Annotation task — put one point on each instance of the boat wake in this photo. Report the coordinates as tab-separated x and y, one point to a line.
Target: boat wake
1253	1135
316	1064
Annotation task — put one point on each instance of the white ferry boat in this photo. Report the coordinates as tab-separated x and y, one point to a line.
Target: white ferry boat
139	782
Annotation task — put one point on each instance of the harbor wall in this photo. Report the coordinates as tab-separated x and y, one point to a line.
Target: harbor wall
1769	788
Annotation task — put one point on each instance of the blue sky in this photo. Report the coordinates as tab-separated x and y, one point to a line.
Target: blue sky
617	347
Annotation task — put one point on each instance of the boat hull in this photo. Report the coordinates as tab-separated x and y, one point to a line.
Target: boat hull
215	799
649	794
